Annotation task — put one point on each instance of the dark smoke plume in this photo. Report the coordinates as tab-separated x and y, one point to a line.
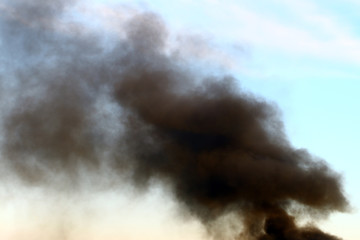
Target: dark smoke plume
220	149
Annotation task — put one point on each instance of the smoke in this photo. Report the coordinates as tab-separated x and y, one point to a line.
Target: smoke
221	150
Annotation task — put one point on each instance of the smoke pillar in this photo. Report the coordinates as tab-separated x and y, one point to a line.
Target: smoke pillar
221	150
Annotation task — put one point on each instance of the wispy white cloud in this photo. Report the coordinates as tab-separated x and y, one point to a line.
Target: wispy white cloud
317	33
330	36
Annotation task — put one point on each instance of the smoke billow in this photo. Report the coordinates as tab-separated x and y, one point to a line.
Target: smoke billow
220	149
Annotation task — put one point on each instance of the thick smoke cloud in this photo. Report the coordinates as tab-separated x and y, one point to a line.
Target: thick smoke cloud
220	149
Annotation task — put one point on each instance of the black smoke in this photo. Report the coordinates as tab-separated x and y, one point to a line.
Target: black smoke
220	149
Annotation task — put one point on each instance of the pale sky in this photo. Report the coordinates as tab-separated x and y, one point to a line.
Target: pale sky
302	55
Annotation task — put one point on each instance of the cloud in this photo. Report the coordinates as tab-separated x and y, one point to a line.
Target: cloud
314	33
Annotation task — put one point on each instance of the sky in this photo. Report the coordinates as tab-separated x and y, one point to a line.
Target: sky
302	56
